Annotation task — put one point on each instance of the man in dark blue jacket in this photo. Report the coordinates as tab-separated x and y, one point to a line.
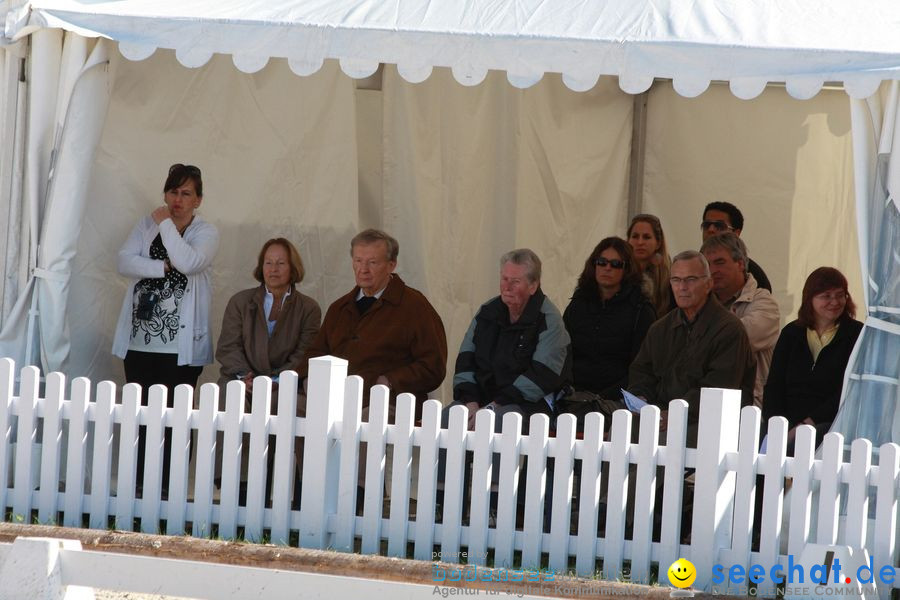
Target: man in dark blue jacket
515	356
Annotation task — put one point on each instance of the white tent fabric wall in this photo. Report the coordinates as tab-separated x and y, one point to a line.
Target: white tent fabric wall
472	172
871	401
68	101
278	156
788	165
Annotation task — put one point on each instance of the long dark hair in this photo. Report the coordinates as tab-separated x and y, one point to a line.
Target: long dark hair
587	281
822	280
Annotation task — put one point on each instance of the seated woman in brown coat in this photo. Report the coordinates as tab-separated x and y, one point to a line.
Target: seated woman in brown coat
266	329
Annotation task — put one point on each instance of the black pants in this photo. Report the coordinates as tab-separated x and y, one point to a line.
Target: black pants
146	369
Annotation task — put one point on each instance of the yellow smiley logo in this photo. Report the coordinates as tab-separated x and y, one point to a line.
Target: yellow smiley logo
682	573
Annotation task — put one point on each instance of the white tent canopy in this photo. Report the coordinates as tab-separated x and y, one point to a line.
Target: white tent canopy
427	155
803	43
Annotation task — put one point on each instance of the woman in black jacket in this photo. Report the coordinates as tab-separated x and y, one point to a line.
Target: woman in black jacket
807	372
607	319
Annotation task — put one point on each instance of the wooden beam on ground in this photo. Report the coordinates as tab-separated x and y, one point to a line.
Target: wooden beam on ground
287	558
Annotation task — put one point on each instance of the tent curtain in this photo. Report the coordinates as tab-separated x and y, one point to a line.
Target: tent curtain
871	403
68	101
278	158
472	172
786	164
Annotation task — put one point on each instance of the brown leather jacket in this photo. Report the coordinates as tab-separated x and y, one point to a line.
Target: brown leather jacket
401	337
244	344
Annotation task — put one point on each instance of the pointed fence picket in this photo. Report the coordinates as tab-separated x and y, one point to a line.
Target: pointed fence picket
75	450
53	399
549	498
429	440
201	517
284	463
129	412
508	490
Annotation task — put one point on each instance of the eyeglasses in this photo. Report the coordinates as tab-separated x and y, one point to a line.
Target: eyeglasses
676	281
614	263
190	169
838	296
718	225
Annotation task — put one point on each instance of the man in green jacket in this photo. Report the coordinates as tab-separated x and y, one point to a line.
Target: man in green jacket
701	344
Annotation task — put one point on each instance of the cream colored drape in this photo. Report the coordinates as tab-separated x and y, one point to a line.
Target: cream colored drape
787	164
470	173
278	156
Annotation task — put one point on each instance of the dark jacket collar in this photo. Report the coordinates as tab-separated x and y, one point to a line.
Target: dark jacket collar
704	318
530	314
628	293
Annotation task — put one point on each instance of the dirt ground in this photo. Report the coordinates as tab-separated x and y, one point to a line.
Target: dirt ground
297	559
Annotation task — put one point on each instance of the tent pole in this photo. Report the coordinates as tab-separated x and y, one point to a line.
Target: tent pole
32	335
11	174
638	152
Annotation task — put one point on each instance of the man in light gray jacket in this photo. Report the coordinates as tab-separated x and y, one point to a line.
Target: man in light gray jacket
738	291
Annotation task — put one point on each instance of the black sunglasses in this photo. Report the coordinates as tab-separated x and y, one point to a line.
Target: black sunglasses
189	169
719	225
614	263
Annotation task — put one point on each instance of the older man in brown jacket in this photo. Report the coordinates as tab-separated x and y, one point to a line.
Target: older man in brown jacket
387	331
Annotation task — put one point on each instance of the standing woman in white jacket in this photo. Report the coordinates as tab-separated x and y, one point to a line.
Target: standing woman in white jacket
163	333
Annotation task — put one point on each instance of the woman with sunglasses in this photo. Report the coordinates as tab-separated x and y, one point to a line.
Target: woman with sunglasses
163	333
811	355
646	237
607	318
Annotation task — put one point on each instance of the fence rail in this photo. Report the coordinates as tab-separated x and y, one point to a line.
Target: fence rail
558	499
49	568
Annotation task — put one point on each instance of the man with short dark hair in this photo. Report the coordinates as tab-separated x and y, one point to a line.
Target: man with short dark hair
388	332
736	289
719	217
699	344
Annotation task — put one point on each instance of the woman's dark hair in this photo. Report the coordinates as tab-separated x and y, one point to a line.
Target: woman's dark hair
587	281
179	174
822	280
297	271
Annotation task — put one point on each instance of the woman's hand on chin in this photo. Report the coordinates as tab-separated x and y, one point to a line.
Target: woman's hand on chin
160	214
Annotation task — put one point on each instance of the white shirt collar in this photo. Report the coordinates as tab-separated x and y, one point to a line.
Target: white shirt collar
377	294
270	299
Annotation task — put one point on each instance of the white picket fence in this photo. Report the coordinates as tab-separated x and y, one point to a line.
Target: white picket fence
830	500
